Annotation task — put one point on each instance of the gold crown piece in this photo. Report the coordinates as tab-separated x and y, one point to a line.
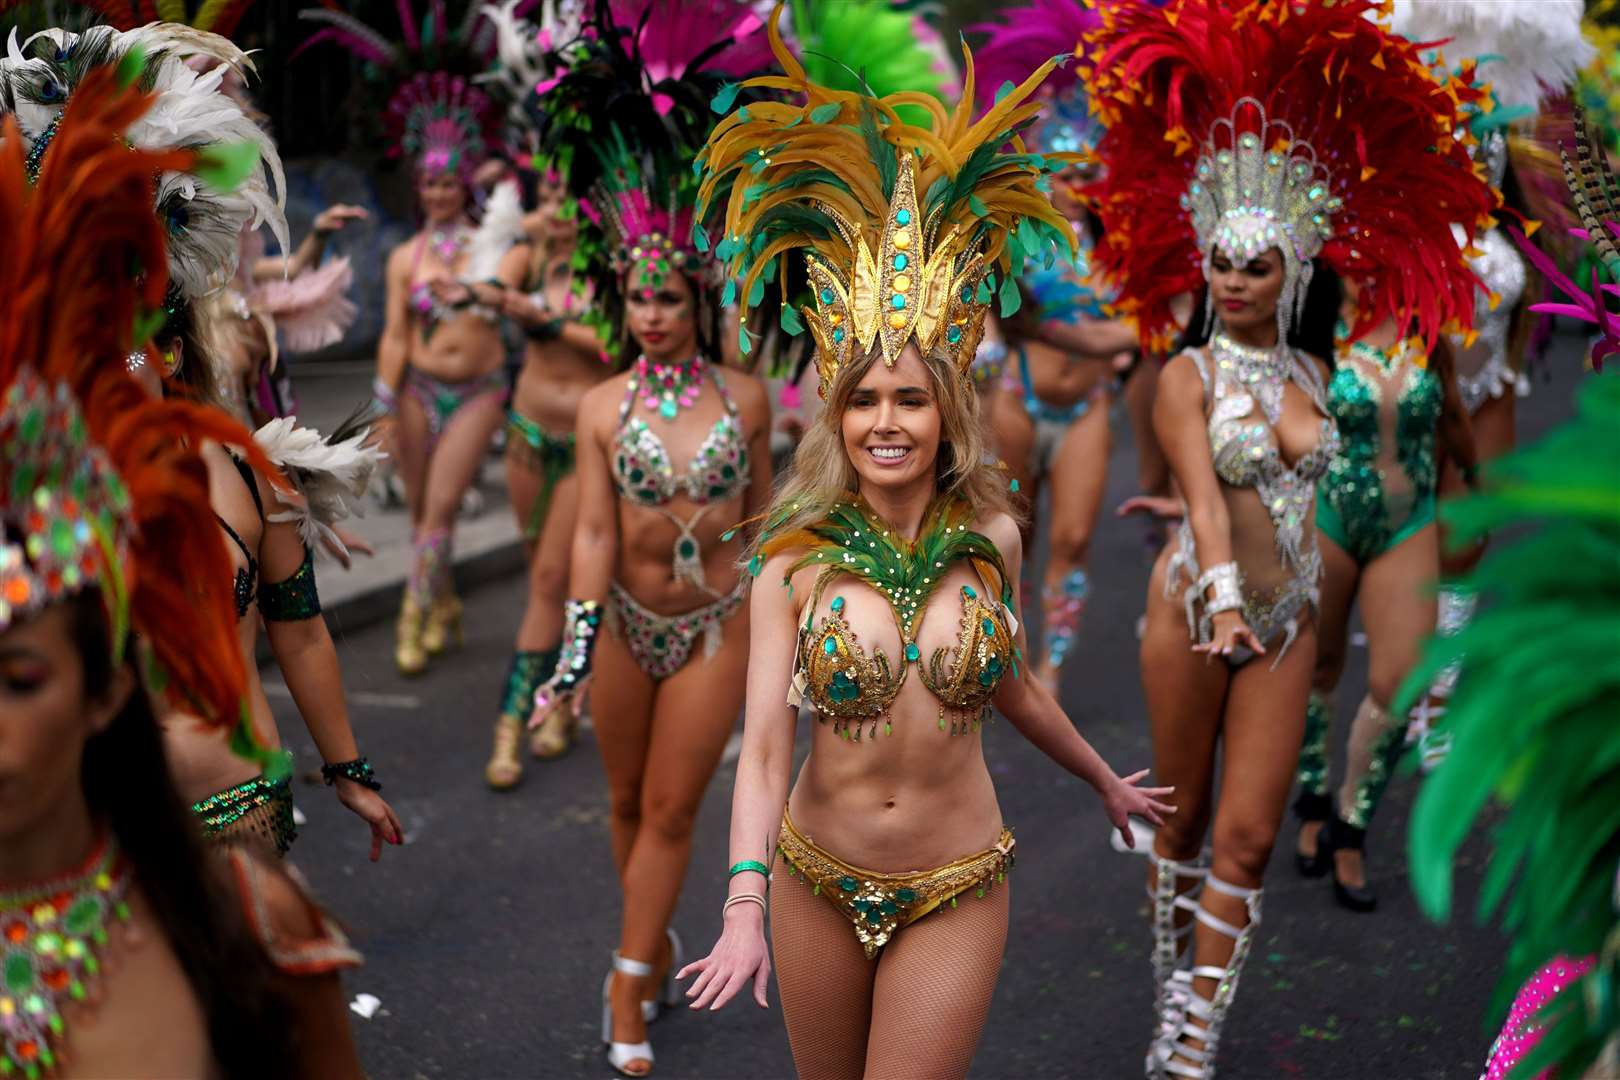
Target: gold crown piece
917	286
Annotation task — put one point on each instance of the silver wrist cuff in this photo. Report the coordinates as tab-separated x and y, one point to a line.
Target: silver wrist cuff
1227	585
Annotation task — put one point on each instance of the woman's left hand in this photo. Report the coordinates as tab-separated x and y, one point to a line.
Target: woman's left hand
1123	800
374	811
336	216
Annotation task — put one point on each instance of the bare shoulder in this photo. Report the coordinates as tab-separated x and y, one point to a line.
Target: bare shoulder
773	589
399	260
600	405
1001	530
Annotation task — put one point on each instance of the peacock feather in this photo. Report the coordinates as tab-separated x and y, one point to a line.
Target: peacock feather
1534	723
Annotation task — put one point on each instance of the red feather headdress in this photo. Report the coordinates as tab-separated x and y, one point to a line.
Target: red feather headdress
101	485
1349	146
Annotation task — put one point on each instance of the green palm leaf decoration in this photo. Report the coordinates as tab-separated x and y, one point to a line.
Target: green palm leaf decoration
1536	722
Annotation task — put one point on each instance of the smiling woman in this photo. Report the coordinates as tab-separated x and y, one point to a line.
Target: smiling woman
891	550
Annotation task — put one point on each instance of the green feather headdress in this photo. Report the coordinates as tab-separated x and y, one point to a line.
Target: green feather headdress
1535	723
904	227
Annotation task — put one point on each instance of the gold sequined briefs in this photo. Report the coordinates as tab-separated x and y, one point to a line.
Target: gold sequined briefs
879	905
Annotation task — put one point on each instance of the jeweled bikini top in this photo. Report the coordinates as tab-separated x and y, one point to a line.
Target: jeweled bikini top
855	688
644	473
1355	397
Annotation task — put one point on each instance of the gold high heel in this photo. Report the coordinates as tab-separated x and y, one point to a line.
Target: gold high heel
442	626
505	768
555	735
409	655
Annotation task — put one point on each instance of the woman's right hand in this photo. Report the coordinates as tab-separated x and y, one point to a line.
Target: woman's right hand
739	955
1228	633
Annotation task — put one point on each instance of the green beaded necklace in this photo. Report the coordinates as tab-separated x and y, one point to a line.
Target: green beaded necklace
52	934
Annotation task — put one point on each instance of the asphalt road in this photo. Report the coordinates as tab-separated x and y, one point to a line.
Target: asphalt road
486	937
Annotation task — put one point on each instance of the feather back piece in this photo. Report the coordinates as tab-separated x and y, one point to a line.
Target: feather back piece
329	474
101	485
901	226
1527	52
1355	143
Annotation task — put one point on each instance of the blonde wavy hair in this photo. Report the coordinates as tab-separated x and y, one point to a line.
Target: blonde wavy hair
823	476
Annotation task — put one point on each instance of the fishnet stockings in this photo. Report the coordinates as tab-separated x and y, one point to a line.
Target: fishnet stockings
915	1011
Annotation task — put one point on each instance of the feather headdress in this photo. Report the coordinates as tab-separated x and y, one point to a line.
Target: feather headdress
101	485
901	226
527	60
873	47
215	16
434	115
1533	723
1023	39
1303	126
203	215
1527	52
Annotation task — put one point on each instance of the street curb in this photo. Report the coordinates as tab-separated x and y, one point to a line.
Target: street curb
381	602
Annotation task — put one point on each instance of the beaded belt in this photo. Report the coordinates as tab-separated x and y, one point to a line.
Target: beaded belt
258	811
879	905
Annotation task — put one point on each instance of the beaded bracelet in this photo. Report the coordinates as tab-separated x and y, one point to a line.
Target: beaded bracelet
750	864
358	770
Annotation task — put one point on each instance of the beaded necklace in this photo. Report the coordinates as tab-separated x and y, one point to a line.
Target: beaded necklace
1262	372
53	932
450	242
669	388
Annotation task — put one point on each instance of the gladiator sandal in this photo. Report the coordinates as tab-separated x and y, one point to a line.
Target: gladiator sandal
1170	951
409	656
1174	1056
505	768
555	735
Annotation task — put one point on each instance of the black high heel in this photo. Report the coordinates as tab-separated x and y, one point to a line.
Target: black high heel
1310	807
1336	836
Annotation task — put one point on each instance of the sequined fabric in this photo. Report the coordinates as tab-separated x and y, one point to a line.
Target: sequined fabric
662	644
1313	753
1520	1034
644	473
259	811
880	905
294	597
528	669
549	457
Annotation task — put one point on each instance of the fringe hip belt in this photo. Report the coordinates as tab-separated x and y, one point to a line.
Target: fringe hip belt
259	811
879	905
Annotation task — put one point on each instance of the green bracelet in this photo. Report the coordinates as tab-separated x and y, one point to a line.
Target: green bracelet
751	864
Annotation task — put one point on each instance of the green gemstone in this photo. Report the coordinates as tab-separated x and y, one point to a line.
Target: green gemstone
847	883
953	334
985	677
19	972
912	652
838	605
873	917
827	296
688	547
967	591
830	646
905	896
987	626
47	943
888	908
83	916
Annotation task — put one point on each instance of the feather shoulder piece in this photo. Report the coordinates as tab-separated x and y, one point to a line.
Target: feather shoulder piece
100	485
329	474
1302	126
903	227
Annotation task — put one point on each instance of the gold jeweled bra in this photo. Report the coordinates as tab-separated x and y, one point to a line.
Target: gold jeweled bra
855	688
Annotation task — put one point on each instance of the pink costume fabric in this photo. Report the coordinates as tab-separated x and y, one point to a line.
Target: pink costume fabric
1520	1034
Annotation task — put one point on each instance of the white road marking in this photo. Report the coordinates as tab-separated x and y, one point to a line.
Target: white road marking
356	697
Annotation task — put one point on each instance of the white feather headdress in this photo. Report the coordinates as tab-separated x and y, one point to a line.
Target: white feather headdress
191	110
1527	49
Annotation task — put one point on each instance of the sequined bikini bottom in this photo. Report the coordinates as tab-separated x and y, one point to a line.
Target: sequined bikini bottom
661	644
549	457
880	905
258	812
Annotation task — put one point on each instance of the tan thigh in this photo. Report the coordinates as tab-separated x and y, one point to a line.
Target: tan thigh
548	570
621	701
522	488
1184	692
935	980
1398	608
1340	575
1263	728
1079	476
410	443
456	458
824	981
1012	437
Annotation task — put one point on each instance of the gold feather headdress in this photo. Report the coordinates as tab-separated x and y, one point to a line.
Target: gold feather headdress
904	228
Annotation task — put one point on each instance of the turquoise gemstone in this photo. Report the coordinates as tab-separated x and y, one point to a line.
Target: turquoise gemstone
905	896
902	217
838	605
888	908
901	262
912	652
667	409
968	593
988	626
830	646
953	334
827	296
967	294
873	917
985	678
899	301
838	335
846	883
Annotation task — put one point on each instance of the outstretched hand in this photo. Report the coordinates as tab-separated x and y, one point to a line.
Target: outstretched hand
1124	800
1163	507
1229	634
371	809
739	956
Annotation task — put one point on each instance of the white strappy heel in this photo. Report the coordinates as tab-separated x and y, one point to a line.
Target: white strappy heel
669	992
1199	1064
620	1055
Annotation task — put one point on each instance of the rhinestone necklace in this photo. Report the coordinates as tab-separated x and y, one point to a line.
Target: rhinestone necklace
52	934
450	242
1262	372
669	388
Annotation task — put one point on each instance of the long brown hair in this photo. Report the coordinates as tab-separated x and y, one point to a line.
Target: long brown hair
822	474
